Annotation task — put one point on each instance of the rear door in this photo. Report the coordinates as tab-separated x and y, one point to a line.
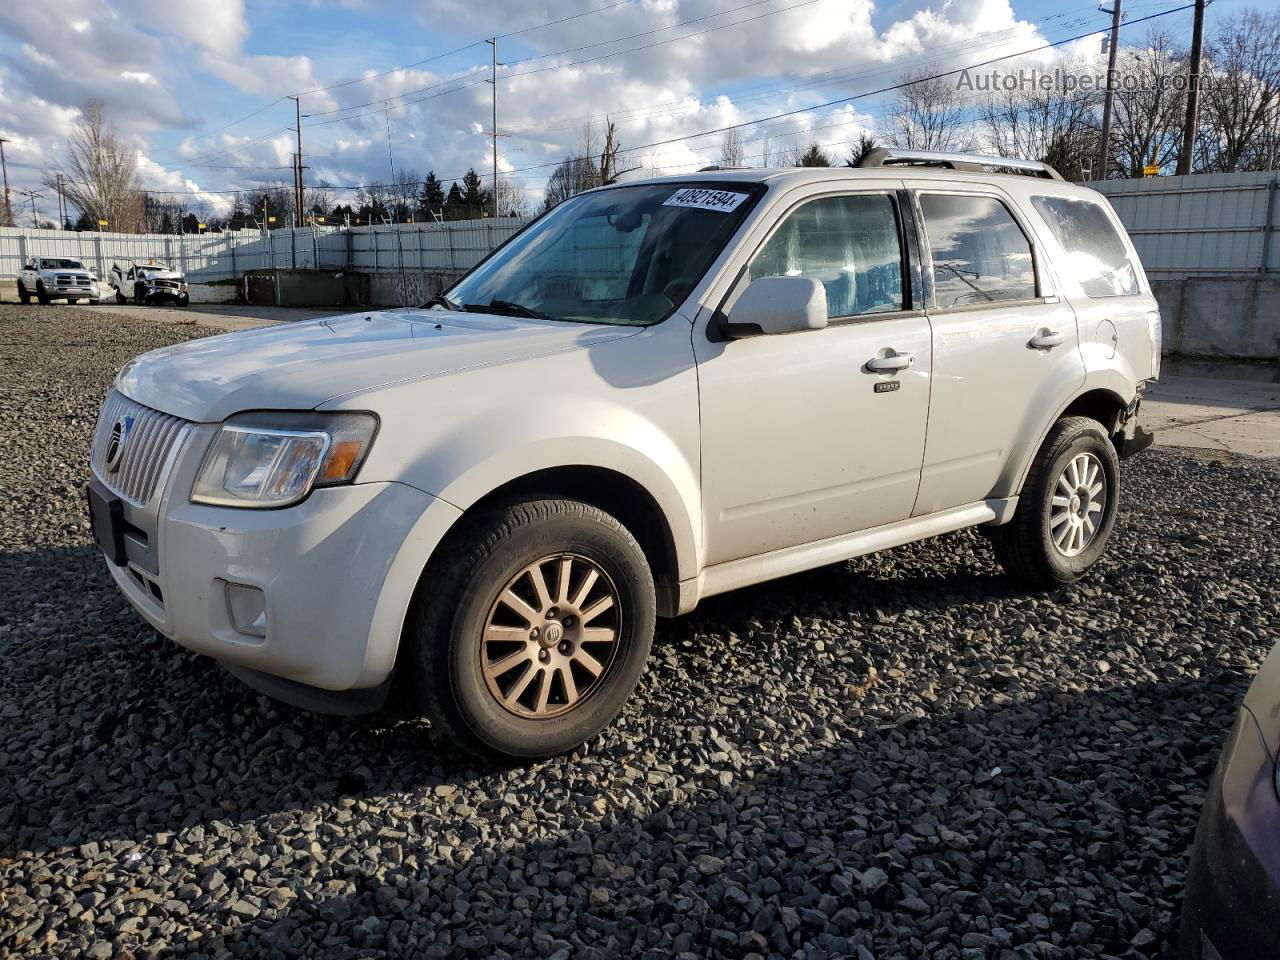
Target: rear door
1005	346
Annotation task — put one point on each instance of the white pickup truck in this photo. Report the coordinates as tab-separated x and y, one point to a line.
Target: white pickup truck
57	278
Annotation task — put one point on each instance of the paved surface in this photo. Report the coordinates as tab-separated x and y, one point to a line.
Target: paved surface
1234	416
902	757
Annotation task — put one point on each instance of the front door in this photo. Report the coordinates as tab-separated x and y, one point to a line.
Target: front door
1005	349
811	435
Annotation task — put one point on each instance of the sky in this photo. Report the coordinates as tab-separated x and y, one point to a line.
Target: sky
200	87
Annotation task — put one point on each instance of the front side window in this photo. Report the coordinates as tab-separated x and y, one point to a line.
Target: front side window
980	254
849	243
1095	254
626	255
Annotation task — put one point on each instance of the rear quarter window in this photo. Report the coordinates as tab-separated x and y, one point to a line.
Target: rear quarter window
1095	255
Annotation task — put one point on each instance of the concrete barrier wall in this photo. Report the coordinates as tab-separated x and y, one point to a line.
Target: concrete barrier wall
1222	318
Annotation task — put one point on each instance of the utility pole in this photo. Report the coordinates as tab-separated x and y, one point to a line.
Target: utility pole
1104	149
297	162
1192	125
8	207
31	195
62	205
493	42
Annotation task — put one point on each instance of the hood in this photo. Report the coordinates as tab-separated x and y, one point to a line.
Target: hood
298	366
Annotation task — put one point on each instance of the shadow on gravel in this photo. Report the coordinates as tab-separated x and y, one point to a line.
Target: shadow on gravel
1073	790
1060	818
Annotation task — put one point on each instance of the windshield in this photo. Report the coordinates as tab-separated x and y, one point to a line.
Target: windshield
53	264
626	255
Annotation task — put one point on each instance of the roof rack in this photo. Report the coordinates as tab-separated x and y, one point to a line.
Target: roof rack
965	162
722	166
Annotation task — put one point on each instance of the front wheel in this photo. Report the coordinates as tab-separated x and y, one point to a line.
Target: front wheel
532	629
1067	508
41	295
120	297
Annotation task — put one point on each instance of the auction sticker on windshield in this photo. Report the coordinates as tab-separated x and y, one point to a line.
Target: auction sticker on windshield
723	200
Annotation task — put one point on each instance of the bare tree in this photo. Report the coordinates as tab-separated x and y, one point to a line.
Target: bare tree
927	114
1239	93
731	151
512	200
100	173
595	163
766	152
1034	123
1149	110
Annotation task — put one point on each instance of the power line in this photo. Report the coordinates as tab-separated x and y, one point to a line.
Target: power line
564	66
789	113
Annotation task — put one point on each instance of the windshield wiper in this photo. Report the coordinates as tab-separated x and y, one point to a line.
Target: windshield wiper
440	300
509	307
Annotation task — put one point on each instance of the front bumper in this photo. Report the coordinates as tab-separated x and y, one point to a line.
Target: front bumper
1232	901
337	570
88	291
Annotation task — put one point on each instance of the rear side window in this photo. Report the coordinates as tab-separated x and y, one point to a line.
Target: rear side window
851	244
1096	256
980	254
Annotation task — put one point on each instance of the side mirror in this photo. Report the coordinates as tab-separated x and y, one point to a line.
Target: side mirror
772	305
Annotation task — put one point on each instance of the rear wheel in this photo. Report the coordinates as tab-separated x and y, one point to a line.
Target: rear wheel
1067	508
23	295
531	632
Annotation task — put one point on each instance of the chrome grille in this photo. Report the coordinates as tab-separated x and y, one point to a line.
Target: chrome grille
148	442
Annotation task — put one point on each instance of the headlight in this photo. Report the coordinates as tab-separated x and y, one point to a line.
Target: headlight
275	459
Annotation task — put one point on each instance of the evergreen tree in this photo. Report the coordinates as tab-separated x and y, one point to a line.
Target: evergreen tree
454	204
813	157
474	196
431	200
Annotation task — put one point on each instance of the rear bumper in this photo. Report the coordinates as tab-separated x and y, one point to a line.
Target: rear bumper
1232	901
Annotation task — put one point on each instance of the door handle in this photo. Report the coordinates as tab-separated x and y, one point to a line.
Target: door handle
1046	339
895	361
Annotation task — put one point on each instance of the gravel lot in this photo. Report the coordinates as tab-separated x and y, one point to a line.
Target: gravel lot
899	757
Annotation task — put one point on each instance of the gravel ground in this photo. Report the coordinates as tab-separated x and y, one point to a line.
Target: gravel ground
898	757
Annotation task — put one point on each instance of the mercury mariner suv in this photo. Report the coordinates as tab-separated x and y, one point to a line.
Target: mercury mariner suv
659	391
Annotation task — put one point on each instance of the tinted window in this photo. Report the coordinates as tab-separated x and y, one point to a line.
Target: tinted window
850	244
1095	253
980	254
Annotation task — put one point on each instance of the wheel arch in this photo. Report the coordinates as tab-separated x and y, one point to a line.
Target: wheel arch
1101	397
616	494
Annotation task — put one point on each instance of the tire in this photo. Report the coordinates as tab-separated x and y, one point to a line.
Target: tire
41	295
139	297
23	295
94	303
1047	545
184	300
120	297
441	672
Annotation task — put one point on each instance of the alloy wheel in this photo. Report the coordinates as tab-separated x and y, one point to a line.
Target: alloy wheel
551	636
1079	504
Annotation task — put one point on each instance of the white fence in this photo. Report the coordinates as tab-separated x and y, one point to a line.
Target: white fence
446	247
1221	224
1215	224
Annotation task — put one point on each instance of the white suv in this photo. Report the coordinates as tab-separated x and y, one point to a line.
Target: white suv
658	391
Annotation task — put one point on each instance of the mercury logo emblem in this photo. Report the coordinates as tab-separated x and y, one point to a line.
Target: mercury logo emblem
116	442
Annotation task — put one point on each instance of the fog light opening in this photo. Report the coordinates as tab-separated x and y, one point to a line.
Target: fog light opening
248	609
